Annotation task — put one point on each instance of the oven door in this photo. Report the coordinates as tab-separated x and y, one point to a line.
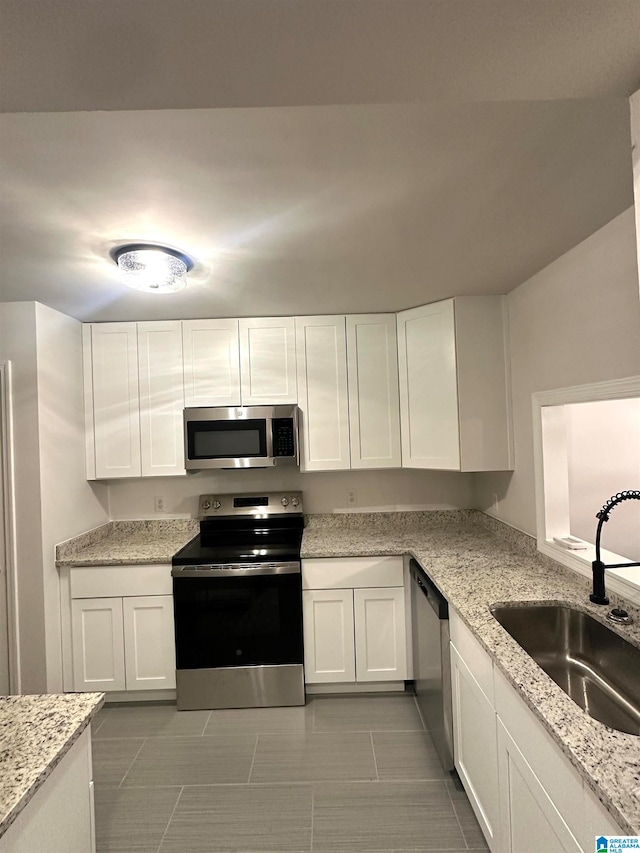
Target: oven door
237	620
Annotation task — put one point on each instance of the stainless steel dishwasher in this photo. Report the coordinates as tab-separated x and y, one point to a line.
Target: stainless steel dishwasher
431	661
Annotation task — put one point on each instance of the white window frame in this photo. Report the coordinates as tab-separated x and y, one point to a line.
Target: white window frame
551	478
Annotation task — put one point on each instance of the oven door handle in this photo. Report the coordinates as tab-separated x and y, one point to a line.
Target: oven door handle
250	570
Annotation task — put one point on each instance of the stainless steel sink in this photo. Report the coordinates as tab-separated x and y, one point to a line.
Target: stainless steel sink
593	665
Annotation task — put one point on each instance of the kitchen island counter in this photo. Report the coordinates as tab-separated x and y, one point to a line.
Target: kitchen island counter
36	732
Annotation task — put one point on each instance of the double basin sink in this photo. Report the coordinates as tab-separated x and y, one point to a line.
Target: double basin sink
596	667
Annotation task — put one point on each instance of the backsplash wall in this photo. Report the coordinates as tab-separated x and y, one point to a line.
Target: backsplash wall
323	492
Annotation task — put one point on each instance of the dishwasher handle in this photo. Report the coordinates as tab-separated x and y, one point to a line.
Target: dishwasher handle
436	599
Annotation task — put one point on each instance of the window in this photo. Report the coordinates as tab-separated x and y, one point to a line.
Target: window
587	448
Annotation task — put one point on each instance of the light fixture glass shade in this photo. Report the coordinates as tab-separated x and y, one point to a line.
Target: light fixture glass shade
152	269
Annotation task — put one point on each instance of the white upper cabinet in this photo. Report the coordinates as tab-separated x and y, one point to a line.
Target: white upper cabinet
374	408
161	398
454	397
211	363
321	354
268	361
111	383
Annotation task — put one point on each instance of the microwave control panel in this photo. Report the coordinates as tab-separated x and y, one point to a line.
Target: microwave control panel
283	437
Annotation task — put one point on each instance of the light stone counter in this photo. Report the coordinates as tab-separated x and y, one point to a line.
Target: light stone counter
121	543
477	562
36	732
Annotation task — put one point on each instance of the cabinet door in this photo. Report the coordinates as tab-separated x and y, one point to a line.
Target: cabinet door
114	356
329	653
381	650
374	407
211	363
428	387
321	355
530	821
161	398
98	644
150	660
268	361
475	749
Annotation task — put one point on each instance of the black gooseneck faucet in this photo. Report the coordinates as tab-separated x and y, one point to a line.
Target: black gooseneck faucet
598	595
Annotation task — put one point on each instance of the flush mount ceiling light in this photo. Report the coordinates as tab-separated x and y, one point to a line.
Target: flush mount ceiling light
152	269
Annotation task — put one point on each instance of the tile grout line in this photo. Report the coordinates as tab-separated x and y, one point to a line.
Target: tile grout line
375	760
173	811
455	813
313	809
253	758
207	721
133	761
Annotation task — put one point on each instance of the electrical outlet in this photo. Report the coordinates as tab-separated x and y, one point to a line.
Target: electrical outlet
159	504
352	497
495	503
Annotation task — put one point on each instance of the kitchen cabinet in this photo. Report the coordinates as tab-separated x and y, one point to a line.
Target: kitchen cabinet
120	620
374	407
525	793
454	394
354	632
211	363
110	352
161	386
60	816
268	361
321	354
134	397
474	731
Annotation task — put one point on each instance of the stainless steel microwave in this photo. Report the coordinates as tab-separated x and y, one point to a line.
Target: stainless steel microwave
241	437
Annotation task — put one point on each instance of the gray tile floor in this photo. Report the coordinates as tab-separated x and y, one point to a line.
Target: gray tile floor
341	774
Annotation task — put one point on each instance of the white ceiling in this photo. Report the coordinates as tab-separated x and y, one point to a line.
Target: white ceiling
313	156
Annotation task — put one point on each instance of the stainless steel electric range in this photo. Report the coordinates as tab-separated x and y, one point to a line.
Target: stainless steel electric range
237	592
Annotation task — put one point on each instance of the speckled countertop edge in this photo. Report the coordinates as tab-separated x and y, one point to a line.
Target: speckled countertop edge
36	732
476	564
128	543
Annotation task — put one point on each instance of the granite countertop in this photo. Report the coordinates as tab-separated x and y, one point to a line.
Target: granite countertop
477	562
119	543
36	732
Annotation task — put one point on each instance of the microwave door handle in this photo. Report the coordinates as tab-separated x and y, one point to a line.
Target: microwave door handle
269	437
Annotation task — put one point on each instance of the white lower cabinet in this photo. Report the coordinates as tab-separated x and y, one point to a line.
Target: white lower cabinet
123	643
329	644
475	748
525	793
354	632
530	820
120	639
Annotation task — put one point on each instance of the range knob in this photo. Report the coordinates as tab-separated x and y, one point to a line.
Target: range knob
294	501
217	504
285	501
206	504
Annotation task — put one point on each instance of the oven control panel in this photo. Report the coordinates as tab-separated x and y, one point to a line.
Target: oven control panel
260	505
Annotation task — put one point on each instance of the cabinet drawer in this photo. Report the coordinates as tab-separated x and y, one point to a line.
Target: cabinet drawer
352	572
121	581
472	653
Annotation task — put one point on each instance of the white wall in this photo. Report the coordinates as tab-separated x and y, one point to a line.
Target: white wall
322	492
69	504
576	321
603	455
